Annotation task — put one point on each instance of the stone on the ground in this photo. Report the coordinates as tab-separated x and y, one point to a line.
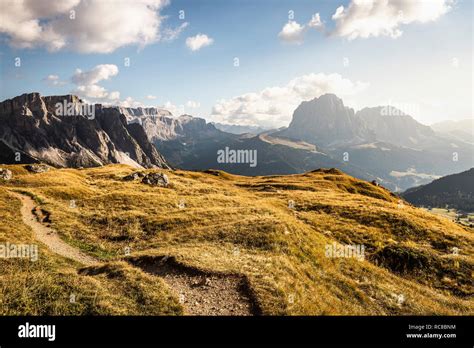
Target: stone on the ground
37	168
5	174
156	179
134	176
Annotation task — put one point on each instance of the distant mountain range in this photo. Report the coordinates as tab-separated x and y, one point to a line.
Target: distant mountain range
190	143
239	129
32	127
455	191
380	143
459	130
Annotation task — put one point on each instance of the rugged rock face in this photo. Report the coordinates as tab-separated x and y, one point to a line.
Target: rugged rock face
158	124
325	121
78	135
9	155
185	140
140	112
161	126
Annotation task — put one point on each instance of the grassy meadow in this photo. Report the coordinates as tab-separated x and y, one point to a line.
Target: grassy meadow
273	230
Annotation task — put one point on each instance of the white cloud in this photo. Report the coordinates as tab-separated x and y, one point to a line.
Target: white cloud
193	104
53	80
88	88
373	18
97	74
199	41
172	34
20	21
91	91
293	32
316	22
273	106
176	110
114	95
94	26
129	102
338	14
87	81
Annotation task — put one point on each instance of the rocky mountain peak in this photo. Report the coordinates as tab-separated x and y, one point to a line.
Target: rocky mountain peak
329	100
26	104
326	121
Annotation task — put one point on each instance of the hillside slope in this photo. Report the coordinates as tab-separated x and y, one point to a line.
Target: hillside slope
270	234
456	191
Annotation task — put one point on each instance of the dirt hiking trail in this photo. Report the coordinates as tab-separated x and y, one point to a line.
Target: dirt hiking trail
47	235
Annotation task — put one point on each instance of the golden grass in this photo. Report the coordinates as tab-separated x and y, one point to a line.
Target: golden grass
51	285
242	225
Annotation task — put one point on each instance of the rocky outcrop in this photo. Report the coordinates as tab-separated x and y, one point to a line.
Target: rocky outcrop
64	132
5	174
37	168
134	176
156	179
153	179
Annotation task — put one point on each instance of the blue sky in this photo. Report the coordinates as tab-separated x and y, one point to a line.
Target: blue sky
427	69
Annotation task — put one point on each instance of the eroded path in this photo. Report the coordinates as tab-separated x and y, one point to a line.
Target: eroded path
47	235
204	293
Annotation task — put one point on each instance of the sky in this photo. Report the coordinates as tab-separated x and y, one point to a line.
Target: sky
248	62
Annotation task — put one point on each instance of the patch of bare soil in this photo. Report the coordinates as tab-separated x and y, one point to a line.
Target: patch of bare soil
200	292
